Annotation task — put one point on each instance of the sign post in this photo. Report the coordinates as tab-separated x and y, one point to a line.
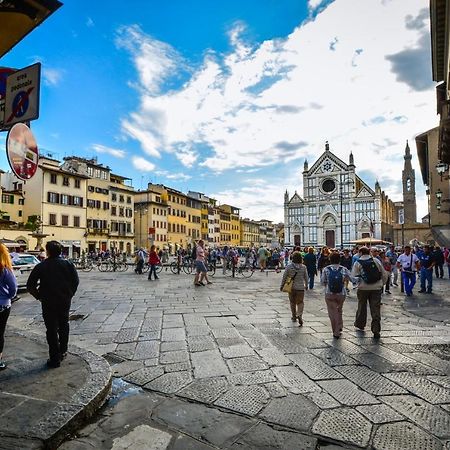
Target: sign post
22	95
401	221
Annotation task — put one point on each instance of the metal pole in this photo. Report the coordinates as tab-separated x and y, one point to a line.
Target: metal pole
342	231
403	235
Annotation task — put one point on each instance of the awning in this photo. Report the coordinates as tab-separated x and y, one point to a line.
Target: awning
20	17
370	241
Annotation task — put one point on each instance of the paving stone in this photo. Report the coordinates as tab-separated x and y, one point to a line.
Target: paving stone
143	376
174	357
387	353
347	393
228	342
445	407
347	347
431	360
228	332
143	436
421	387
201	343
246	364
322	399
377	363
273	357
333	357
197	331
208	364
258	342
343	424
287	345
146	349
173	334
441	380
177	367
170	382
259	377
404	436
380	413
370	381
205	390
127	335
295	380
149	335
173	346
124	368
236	351
263	437
430	417
314	367
244	399
275	390
293	411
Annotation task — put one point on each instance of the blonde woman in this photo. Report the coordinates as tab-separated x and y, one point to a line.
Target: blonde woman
296	270
8	290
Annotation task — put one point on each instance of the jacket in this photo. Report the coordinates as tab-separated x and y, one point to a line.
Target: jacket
357	273
153	259
53	280
300	280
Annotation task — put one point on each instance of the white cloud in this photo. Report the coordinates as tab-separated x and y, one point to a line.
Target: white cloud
142	164
117	153
90	23
52	76
340	76
314	4
174	176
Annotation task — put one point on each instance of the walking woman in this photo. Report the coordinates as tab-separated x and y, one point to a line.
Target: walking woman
323	260
8	290
153	261
298	272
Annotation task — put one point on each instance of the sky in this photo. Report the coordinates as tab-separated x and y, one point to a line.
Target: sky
229	98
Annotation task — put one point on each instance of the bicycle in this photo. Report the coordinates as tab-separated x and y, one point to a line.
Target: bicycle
245	270
146	267
175	267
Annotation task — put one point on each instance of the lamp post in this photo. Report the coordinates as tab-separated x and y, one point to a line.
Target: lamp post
348	182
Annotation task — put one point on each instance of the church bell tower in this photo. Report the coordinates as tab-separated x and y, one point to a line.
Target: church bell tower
409	188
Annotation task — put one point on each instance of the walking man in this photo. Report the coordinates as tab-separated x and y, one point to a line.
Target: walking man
54	282
409	264
393	256
427	263
310	262
371	276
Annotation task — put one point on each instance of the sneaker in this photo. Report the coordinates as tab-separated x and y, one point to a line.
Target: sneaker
376	335
387	292
53	364
422	291
198	284
347	290
336	336
294	319
300	322
3	365
395	284
209	282
359	329
201	283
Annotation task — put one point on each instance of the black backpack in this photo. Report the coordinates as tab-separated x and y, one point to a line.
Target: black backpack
371	273
335	280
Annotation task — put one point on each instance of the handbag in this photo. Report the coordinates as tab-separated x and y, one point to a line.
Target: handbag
287	286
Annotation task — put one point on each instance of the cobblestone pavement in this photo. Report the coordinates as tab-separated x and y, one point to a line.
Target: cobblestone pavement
231	349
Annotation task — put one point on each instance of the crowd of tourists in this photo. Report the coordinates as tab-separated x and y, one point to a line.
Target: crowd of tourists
372	272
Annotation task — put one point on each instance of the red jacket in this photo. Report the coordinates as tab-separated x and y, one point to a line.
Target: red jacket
153	258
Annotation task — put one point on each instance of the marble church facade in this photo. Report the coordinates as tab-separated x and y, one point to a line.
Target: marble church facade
337	206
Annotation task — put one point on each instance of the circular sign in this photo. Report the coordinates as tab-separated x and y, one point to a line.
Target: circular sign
20	104
22	151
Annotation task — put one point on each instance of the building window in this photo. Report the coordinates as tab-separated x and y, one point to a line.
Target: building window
77	184
128	199
121	211
65	181
53	178
21	201
6	198
64	220
121	198
20	213
105	205
91	188
90	171
77	201
64	199
76	221
104	175
91	203
52	197
52	219
114	197
114	210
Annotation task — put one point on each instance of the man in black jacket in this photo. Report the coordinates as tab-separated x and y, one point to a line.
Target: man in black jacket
54	282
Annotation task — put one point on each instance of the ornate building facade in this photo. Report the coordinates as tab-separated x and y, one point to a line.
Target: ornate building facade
337	207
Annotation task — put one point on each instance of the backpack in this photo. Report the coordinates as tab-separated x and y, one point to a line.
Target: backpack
370	271
335	280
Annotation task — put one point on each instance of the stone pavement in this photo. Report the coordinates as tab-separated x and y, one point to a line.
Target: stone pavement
223	366
40	407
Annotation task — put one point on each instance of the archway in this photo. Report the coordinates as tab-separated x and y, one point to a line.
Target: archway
329	228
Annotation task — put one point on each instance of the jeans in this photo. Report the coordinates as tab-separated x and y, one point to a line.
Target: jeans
152	271
311	275
395	273
374	300
335	303
3	319
426	278
409	280
439	270
56	319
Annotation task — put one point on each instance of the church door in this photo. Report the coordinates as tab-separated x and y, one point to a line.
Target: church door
297	241
330	238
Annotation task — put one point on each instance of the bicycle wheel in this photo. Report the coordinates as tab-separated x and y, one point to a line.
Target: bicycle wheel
188	268
245	271
159	268
87	267
174	267
103	266
211	270
146	268
121	267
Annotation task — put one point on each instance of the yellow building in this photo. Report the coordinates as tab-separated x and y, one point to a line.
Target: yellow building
58	197
232	225
12	205
151	217
249	230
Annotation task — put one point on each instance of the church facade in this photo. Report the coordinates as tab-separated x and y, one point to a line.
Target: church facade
337	207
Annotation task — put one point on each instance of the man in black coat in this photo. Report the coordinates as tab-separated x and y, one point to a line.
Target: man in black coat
54	282
438	256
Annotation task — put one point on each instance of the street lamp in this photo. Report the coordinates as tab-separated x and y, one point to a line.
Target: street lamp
342	183
440	200
441	168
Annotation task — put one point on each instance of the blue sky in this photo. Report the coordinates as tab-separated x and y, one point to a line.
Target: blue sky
228	98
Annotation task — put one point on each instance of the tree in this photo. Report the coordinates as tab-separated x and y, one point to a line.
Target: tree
33	223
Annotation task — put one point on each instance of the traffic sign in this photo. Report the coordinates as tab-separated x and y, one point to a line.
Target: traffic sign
22	151
401	216
4	73
22	95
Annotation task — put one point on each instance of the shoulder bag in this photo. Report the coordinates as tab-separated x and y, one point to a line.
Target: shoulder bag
287	286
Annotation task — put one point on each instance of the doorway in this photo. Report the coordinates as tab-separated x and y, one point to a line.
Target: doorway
330	238
297	241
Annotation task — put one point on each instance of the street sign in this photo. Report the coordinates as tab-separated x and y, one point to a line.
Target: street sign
22	151
401	216
4	73
22	95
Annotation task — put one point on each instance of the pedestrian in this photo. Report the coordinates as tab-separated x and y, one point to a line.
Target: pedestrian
263	254
333	278
310	262
324	259
224	260
8	290
438	256
427	262
409	264
54	282
388	268
201	270
346	261
393	256
371	278
153	261
298	272
140	260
